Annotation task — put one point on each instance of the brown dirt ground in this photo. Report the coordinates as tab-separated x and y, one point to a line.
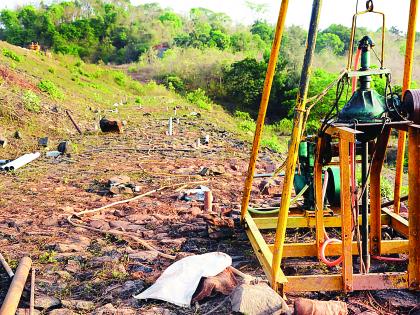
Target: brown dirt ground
77	264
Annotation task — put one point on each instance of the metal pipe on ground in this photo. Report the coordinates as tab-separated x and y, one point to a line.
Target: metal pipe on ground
6	266
208	201
21	161
11	302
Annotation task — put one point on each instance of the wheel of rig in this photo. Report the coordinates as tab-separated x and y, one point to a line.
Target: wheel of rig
411	103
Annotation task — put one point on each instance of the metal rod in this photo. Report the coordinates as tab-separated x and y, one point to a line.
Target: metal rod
408	71
74	123
391	202
365	206
271	69
11	301
6	266
295	140
32	297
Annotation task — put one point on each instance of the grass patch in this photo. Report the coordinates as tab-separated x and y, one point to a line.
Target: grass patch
31	101
51	89
199	98
12	55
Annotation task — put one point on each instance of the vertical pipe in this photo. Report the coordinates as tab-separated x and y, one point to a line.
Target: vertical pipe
11	301
365	206
170	127
263	106
295	140
408	70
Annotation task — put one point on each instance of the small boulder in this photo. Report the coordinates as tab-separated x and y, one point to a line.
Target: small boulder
61	311
46	302
78	305
43	142
144	256
257	300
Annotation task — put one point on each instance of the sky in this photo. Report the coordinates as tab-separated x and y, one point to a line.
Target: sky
334	11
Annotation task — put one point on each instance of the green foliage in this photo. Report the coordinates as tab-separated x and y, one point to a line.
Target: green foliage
51	89
47	257
120	78
387	188
12	55
284	127
330	41
264	30
273	143
173	82
199	98
343	33
31	101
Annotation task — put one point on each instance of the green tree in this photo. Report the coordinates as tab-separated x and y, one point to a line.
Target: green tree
331	42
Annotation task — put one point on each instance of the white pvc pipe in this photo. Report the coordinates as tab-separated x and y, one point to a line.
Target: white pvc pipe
170	127
21	161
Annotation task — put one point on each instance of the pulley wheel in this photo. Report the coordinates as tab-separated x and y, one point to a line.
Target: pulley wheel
411	104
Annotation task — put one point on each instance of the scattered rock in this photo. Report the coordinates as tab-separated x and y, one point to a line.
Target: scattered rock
78	305
65	248
105	310
144	256
257	300
3	142
45	302
100	224
267	187
26	311
73	266
398	299
43	142
64	147
158	311
129	289
224	283
123	225
17	134
119	180
313	307
107	125
61	311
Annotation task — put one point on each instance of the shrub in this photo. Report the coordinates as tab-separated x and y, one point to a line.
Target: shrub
31	101
247	125
284	127
51	89
273	143
199	98
12	55
120	78
387	188
243	115
173	82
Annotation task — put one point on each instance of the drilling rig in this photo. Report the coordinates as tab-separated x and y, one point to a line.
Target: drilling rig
322	169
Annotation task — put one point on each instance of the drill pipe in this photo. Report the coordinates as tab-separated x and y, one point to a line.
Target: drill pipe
11	302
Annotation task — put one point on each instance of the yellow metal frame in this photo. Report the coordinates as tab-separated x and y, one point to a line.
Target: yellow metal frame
270	255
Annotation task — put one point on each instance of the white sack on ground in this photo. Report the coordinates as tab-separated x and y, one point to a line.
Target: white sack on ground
179	281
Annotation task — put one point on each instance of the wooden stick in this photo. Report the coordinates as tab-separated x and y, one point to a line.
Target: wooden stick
32	297
74	123
6	266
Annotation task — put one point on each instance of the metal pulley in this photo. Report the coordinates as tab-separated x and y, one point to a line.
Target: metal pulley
369	5
411	105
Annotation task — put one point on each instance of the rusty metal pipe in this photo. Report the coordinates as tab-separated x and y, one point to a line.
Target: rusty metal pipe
11	302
